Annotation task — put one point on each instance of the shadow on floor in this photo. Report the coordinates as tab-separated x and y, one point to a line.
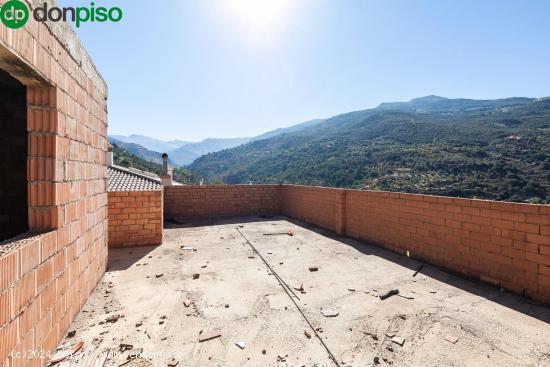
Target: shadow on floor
189	223
493	294
124	257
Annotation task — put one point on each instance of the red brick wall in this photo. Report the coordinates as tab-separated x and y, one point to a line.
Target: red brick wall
505	244
135	218
46	278
220	201
317	205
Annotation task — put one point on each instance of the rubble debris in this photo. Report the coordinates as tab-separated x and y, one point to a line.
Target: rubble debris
406	295
71	333
113	318
433	291
209	335
196	276
161	322
264	351
398	340
240	344
389	293
227	305
308	335
282	357
158	275
139	323
376	360
252	257
319	329
204	266
329	312
124	347
418	270
351	289
64	354
188	248
173	363
301	288
451	339
313	268
137	362
187	303
281	263
288	233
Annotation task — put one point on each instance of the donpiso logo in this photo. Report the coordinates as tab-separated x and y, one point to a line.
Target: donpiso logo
15	14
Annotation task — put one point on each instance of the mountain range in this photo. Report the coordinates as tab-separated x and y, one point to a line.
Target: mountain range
494	149
182	153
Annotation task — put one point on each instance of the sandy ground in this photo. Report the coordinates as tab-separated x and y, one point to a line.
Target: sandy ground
237	295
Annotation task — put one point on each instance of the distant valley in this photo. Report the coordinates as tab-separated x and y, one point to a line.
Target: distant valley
182	153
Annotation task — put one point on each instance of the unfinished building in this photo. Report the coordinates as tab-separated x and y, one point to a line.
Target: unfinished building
253	275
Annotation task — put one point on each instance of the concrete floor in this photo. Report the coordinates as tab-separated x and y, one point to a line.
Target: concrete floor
236	294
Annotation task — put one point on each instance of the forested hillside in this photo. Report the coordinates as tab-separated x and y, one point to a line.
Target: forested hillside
497	149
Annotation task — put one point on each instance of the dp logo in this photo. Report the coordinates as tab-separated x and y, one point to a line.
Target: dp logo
14	14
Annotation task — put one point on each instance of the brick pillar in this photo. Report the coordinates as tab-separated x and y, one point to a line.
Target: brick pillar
340	225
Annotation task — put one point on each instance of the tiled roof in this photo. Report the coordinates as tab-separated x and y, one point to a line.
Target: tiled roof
129	179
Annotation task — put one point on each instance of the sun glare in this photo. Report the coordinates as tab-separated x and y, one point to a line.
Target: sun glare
259	16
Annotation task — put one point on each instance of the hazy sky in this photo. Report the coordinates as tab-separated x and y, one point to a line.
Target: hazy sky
190	69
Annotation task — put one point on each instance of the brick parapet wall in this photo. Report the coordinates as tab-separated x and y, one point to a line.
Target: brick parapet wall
46	278
221	201
319	205
135	218
502	243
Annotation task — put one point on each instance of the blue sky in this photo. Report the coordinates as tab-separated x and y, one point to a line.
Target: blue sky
191	69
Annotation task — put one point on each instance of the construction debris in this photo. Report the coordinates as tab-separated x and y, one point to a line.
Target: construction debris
124	347
187	303
64	354
288	233
313	268
188	248
407	296
196	276
398	340
137	362
308	335
209	335
240	344
389	293
158	275
71	333
113	318
451	339
418	270
301	288
138	324
329	312
173	363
